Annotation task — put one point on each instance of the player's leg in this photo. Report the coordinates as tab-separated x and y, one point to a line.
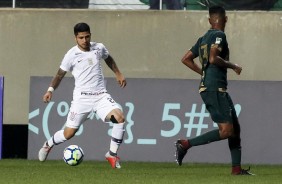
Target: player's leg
217	105
58	138
183	145
109	110
61	136
234	143
74	120
116	116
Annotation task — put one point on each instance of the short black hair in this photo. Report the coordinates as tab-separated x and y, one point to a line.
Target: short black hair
81	27
217	10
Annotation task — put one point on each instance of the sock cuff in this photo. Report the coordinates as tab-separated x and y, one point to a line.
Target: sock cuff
118	141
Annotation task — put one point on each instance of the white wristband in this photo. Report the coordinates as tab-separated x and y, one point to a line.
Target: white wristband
51	89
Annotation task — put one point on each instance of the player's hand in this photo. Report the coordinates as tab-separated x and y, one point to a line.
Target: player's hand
237	69
121	80
47	97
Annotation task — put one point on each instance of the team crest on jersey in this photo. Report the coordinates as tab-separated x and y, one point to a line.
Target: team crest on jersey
72	116
218	40
98	53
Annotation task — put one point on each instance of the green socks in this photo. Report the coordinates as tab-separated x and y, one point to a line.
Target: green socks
206	138
212	136
235	150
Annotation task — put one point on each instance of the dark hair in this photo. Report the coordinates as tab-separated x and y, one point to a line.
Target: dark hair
81	27
217	10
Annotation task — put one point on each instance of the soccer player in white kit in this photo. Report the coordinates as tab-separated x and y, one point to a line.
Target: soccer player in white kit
90	94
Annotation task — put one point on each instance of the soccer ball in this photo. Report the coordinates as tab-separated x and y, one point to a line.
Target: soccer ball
73	155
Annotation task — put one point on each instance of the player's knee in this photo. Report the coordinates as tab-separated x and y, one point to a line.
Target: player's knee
68	136
226	130
118	118
69	133
224	134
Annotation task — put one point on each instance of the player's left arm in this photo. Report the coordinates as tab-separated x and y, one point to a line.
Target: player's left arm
113	66
219	42
215	59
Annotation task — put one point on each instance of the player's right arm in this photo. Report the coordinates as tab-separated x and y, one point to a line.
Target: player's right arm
188	60
54	84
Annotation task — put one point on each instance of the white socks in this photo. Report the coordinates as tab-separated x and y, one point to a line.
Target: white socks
57	138
117	137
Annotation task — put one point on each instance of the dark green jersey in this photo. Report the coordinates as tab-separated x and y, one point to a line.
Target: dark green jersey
214	77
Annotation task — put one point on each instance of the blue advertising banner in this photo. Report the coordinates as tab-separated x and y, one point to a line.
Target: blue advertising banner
158	112
1	111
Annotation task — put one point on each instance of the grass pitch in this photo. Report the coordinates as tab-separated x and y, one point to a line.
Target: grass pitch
15	171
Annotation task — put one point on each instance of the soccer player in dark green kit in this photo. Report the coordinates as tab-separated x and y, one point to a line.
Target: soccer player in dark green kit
213	52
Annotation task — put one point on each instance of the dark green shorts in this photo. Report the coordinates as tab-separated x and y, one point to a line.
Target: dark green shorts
220	106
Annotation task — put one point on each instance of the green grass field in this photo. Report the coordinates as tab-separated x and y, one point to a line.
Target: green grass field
15	171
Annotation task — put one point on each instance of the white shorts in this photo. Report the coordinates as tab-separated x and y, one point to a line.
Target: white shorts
83	105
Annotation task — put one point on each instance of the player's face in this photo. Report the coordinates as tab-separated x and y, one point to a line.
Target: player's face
83	40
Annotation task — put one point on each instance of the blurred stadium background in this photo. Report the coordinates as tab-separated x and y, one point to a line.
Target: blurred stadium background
271	5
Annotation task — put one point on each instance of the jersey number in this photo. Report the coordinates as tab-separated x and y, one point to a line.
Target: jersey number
204	55
111	100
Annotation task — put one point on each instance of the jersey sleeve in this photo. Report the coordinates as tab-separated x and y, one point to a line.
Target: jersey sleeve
195	48
104	51
66	64
218	40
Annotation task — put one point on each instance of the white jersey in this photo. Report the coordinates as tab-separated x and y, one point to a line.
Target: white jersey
86	67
